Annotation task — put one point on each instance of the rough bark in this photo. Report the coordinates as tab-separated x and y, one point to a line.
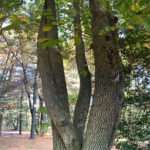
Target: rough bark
57	140
107	101
53	80
82	106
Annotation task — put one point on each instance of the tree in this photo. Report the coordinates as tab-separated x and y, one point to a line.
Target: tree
107	103
134	121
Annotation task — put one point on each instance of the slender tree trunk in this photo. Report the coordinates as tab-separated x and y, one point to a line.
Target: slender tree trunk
31	105
33	124
82	106
20	124
17	124
107	101
53	80
20	113
25	80
41	116
33	114
1	123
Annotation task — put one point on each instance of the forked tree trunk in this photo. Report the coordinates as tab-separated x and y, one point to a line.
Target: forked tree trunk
107	101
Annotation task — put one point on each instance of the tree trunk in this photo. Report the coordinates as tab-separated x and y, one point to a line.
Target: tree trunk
107	102
27	90
20	113
41	116
105	111
57	141
31	105
53	80
82	106
1	123
33	114
33	124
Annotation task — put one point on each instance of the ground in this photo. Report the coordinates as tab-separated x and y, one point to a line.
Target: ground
13	141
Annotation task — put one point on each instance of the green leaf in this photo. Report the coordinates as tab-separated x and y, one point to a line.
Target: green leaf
42	110
47	43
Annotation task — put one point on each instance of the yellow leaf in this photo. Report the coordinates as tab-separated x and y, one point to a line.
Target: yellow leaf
1	16
47	28
130	27
135	7
146	45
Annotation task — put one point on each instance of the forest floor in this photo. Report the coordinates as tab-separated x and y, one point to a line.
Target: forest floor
13	141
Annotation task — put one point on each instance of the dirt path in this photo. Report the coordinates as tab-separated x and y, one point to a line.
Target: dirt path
17	142
13	141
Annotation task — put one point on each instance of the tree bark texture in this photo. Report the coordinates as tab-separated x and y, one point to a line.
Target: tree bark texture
82	106
53	79
107	101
